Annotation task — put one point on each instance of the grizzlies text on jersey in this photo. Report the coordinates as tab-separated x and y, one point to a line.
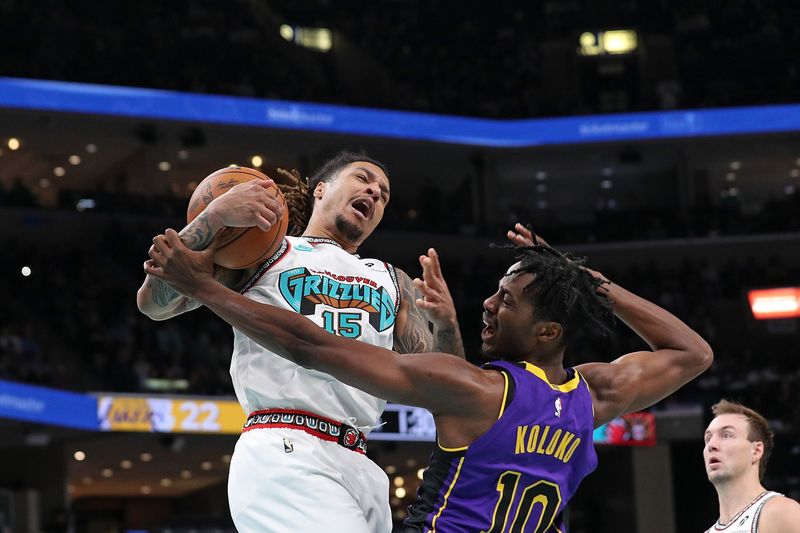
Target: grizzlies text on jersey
344	294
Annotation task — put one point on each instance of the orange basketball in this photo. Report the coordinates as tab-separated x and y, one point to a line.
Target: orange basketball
239	247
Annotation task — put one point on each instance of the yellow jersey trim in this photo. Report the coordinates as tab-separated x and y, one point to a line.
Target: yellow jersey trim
505	395
569	386
502	410
447	495
459	449
588	388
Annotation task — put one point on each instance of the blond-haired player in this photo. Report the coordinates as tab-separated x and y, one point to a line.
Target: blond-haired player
738	443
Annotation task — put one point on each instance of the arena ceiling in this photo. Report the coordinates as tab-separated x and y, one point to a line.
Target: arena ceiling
92	153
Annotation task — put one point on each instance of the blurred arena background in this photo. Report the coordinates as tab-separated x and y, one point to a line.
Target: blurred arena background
660	139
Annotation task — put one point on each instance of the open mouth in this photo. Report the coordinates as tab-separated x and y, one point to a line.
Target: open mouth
488	330
714	462
363	207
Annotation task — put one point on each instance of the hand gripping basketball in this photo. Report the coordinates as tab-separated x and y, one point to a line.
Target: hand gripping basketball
252	209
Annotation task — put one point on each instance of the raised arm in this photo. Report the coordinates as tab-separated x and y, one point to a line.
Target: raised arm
422	301
245	205
155	298
638	380
442	383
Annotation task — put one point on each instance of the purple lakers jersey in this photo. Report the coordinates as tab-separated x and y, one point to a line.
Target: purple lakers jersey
519	475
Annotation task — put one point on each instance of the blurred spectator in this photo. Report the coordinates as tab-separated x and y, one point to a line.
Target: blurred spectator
19	195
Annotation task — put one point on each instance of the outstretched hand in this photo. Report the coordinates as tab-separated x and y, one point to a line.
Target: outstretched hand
173	262
436	302
522	236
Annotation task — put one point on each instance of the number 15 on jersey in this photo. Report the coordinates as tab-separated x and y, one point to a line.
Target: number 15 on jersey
344	324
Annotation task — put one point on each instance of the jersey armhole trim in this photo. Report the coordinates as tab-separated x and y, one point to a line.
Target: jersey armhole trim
507	388
284	249
588	388
451	450
508	395
757	515
392	274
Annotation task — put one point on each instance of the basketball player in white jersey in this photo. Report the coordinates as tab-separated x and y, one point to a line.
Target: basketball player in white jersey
738	444
300	464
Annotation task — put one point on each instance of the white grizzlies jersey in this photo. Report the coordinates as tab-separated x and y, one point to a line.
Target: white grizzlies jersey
746	520
342	293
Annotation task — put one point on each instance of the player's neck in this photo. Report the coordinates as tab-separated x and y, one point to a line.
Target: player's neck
735	496
320	230
553	369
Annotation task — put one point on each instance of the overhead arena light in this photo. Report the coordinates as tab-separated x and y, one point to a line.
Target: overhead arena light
320	39
611	42
85	203
769	304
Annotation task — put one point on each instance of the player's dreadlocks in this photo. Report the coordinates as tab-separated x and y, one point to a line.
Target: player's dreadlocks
564	292
299	192
296	192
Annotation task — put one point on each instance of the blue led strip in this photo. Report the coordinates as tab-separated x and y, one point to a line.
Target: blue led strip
169	105
47	406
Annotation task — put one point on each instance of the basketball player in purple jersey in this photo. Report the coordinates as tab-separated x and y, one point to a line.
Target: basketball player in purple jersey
514	436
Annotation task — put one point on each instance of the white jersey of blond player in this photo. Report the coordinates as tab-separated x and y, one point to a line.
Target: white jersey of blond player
746	520
284	479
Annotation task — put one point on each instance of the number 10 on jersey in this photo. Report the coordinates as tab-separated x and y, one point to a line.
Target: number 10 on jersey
544	495
344	324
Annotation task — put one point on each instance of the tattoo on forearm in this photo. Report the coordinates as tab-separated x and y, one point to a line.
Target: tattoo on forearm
416	336
188	305
198	234
163	294
448	340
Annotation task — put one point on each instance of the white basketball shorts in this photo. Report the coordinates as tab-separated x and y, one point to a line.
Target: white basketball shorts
285	480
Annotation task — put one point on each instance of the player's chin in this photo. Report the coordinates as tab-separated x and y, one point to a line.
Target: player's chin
715	476
349	229
488	351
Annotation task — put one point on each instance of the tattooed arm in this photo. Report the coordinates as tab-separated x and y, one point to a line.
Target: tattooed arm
157	299
412	333
245	205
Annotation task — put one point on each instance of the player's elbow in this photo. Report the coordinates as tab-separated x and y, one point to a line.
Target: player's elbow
702	355
145	306
149	309
697	353
152	314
